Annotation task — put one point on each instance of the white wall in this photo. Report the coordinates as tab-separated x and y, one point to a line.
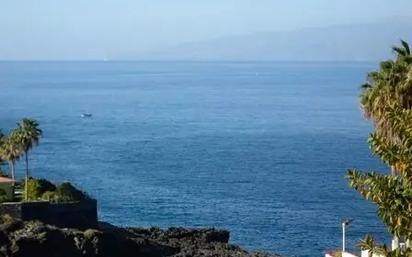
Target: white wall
346	254
365	253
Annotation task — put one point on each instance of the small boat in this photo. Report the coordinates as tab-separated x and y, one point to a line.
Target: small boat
86	115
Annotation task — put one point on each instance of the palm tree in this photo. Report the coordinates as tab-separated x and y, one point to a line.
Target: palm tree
11	151
28	135
403	50
388	88
2	139
369	244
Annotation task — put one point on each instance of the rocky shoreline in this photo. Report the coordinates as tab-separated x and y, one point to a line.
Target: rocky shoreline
33	238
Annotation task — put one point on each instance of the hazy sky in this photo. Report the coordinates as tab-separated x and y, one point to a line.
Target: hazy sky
93	29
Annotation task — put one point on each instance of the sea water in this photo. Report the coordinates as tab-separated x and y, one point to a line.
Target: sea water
258	148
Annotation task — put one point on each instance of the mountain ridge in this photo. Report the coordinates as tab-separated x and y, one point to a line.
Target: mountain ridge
362	42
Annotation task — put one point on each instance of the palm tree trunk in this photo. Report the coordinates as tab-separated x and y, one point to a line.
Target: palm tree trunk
26	155
393	171
26	179
395	239
12	164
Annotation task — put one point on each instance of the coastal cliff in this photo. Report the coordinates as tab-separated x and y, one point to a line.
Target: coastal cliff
33	238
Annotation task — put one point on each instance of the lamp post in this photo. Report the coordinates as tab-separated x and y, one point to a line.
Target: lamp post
344	224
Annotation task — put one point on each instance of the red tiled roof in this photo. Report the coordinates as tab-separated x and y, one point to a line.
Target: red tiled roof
6	180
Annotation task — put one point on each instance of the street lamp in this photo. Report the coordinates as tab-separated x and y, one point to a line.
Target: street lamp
344	224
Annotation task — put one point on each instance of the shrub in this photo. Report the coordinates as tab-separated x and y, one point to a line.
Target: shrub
50	196
67	192
42	189
3	196
32	189
46	185
37	187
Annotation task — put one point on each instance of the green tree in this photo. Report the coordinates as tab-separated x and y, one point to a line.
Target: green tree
387	88
11	151
387	101
29	134
37	187
2	139
393	197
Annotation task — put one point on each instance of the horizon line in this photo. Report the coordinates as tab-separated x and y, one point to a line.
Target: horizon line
188	60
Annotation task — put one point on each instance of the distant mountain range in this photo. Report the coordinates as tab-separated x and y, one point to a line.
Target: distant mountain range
365	42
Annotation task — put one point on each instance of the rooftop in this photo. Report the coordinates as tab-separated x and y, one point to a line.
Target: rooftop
6	180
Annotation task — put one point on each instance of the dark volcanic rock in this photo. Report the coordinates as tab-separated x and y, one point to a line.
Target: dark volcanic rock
29	239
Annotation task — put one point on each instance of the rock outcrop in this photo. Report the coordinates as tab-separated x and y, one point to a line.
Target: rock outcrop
33	238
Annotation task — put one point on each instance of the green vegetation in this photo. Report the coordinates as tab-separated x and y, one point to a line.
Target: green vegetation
67	192
28	136
387	101
41	189
18	144
10	151
3	195
37	187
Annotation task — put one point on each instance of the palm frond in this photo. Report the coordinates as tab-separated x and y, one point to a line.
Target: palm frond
405	46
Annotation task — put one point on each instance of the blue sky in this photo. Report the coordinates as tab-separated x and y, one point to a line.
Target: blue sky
90	29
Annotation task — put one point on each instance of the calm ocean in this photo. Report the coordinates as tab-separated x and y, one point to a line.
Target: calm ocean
260	149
